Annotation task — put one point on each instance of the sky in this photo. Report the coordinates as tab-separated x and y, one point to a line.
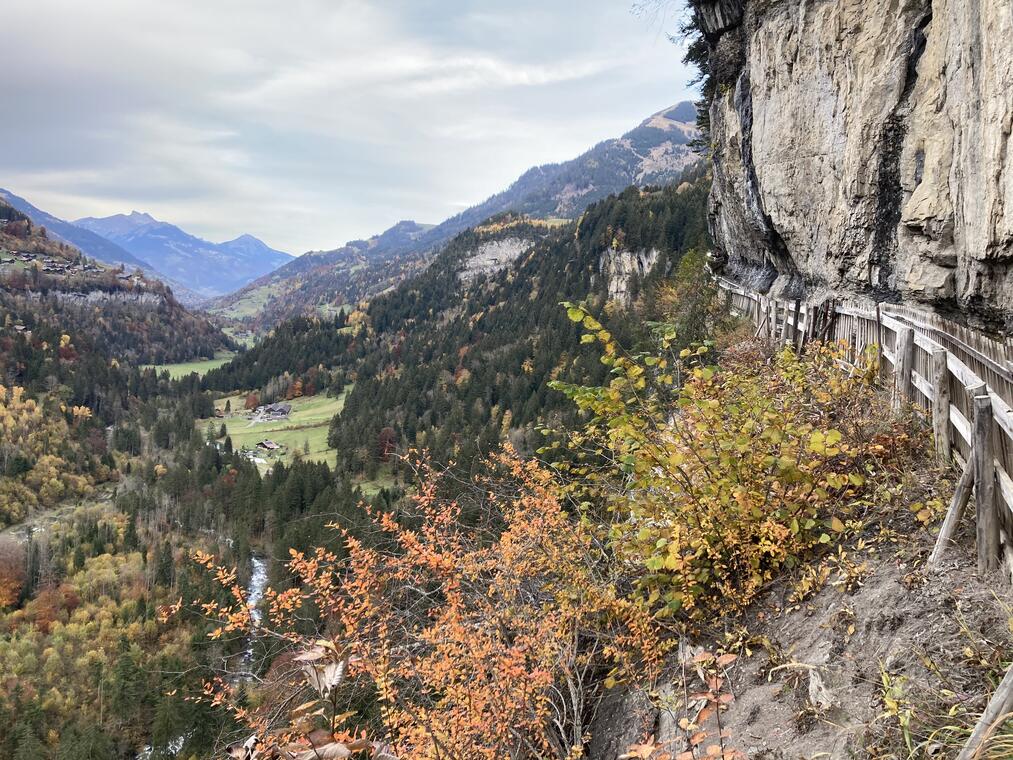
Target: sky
312	122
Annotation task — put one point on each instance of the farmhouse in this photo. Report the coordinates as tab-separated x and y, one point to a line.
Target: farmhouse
277	411
268	445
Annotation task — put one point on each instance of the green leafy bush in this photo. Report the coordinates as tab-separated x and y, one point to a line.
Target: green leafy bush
718	477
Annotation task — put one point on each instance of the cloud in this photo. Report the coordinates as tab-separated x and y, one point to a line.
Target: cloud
317	121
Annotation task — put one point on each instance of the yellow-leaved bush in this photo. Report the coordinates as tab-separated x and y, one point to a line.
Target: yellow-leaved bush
717	477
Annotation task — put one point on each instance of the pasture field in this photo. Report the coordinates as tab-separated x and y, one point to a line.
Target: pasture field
247	306
201	367
307	424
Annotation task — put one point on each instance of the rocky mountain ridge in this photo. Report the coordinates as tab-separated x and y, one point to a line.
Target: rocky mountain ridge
656	152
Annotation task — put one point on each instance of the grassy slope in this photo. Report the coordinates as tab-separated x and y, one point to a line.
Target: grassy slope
249	305
200	367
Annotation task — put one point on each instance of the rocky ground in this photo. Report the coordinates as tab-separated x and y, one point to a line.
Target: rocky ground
879	658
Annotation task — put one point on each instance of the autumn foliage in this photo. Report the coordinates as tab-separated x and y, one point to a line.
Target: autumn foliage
33	441
489	640
12	571
713	478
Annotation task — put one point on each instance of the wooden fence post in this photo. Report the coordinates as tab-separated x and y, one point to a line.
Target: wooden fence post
794	326
961	496
773	320
787	322
903	354
881	365
984	486
941	404
1000	704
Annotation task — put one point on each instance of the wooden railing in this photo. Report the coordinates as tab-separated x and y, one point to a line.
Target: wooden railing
963	382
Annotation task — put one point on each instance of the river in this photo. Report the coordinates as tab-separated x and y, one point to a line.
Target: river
254	594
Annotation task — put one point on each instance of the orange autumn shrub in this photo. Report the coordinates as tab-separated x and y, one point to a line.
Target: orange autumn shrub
488	641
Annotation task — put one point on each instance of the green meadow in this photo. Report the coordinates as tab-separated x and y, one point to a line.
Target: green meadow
201	367
306	425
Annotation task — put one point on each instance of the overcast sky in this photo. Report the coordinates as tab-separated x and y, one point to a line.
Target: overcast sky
312	122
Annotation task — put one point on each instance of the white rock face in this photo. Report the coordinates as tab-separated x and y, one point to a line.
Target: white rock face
864	145
494	255
104	296
622	268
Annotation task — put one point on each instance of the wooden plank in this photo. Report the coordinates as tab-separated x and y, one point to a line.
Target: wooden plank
851	311
923	386
961	495
961	424
977	390
891	324
1003	413
962	372
795	317
1005	484
926	343
1007	552
1000	704
984	489
904	351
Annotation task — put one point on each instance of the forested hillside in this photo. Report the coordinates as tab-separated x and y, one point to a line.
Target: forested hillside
451	363
656	152
48	287
321	283
459	356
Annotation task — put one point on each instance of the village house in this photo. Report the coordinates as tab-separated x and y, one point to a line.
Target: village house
268	445
277	411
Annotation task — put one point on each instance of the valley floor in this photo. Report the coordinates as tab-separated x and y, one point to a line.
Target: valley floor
305	429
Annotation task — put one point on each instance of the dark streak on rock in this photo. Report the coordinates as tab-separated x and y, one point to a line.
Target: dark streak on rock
890	193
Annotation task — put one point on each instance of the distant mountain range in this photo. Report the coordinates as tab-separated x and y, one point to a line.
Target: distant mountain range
87	241
194	268
209	269
654	153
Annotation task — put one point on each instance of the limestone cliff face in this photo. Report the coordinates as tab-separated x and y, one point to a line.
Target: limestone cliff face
623	270
864	146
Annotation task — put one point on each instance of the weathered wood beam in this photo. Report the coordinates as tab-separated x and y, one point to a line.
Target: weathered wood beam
998	706
984	490
794	326
904	353
958	504
940	378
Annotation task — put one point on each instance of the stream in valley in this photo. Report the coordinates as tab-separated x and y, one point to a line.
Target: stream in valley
244	672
